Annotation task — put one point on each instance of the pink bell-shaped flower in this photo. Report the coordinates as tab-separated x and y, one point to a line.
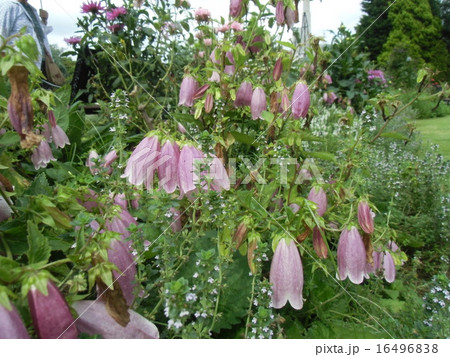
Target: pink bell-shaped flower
109	159
229	69
187	90
50	313
143	162
92	162
388	267
42	155
188	175
244	95
168	169
286	276
278	68
258	103
365	217
219	175
235	8
58	135
300	101
329	97
11	325
351	256
319	244
279	13
319	197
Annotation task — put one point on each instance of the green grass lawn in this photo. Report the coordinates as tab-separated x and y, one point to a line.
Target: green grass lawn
436	131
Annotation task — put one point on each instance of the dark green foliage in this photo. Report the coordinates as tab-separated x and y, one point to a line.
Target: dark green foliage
374	27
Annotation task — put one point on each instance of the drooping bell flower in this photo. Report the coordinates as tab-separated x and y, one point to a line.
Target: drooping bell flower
278	68
285	102
58	136
256	45
279	13
351	256
286	276
319	197
121	223
168	169
258	103
119	254
187	90
11	325
213	57
300	101
50	313
215	77
329	97
209	102
143	162
229	69
219	175
94	319
235	8
92	162
188	175
42	155
388	267
109	159
327	78
365	217
244	95
290	17
377	258
319	244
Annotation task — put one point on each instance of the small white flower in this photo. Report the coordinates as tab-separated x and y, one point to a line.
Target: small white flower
254	321
195	276
184	313
210	280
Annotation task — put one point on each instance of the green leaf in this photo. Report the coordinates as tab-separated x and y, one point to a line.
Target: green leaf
267	116
40	186
394	135
287	44
421	75
4	300
243	138
7	269
322	155
9	138
39	248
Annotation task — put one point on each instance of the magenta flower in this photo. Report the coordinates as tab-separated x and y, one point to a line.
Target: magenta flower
115	13
199	92
73	40
258	103
143	162
202	14
121	223
114	28
278	68
374	74
286	276
50	313
279	12
168	169
319	244
300	101
42	155
351	256
388	267
224	28
319	197
11	325
329	97
365	217
235	8
327	78
244	95
257	44
92	6
187	90
215	56
94	319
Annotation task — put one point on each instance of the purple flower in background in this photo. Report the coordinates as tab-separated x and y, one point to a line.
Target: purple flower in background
258	103
93	7
202	14
187	90
351	256
58	136
388	267
376	74
11	325
329	97
244	95
73	40
115	13
237	26
319	244
235	8
286	276
42	155
115	28
207	42
229	69
327	78
300	101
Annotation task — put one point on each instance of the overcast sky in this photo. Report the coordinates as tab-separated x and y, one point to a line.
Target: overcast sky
325	15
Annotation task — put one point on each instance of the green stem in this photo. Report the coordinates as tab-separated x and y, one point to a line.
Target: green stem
57	262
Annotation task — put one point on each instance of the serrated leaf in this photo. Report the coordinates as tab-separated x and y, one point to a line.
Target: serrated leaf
9	138
39	248
40	186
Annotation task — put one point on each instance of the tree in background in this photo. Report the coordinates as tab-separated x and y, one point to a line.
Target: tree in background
376	27
415	40
445	17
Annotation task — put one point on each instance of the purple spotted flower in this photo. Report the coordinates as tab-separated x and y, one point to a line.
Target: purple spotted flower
42	155
286	276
